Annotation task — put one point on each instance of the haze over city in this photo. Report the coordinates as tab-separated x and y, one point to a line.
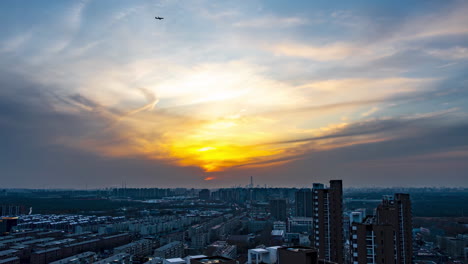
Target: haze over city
98	93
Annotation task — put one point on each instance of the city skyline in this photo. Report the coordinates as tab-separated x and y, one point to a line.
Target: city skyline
95	94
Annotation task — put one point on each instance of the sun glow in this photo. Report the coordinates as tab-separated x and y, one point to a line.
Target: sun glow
222	116
219	156
206	149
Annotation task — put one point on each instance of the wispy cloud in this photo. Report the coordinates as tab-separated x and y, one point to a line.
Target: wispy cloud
336	51
16	42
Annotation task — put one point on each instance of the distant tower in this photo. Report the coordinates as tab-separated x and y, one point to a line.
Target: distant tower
303	203
251	182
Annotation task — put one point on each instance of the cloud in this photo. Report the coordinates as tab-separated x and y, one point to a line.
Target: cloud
370	111
38	158
16	42
335	51
449	22
271	22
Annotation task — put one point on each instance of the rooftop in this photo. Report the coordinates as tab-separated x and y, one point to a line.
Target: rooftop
213	260
8	260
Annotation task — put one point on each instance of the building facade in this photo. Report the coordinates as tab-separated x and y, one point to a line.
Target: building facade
303	203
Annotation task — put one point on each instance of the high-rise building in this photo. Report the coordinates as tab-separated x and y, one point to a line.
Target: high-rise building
278	209
328	221
204	194
396	211
303	203
385	237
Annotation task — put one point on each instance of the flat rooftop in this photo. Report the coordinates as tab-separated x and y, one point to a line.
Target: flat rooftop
213	260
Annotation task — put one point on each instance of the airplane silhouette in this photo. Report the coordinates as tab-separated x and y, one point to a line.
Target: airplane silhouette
159	18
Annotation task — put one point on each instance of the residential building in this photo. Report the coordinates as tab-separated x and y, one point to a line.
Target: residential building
372	243
396	211
204	194
327	235
172	250
140	248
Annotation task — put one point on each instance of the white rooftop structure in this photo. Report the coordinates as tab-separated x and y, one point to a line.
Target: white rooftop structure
262	255
174	261
277	233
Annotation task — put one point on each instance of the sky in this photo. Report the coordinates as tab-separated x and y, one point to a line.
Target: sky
99	93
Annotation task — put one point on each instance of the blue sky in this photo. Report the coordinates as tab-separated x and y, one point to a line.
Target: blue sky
373	92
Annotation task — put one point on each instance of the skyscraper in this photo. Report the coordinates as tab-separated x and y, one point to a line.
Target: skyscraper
278	209
328	221
303	203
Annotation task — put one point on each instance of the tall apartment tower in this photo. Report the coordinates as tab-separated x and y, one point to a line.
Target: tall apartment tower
385	237
396	212
303	204
328	221
278	209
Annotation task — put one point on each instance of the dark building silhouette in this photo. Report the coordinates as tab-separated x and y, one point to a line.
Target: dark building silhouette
204	194
278	209
327	235
297	255
7	223
303	203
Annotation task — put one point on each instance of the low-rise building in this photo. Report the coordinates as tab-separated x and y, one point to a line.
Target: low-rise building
86	257
172	250
122	258
138	248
